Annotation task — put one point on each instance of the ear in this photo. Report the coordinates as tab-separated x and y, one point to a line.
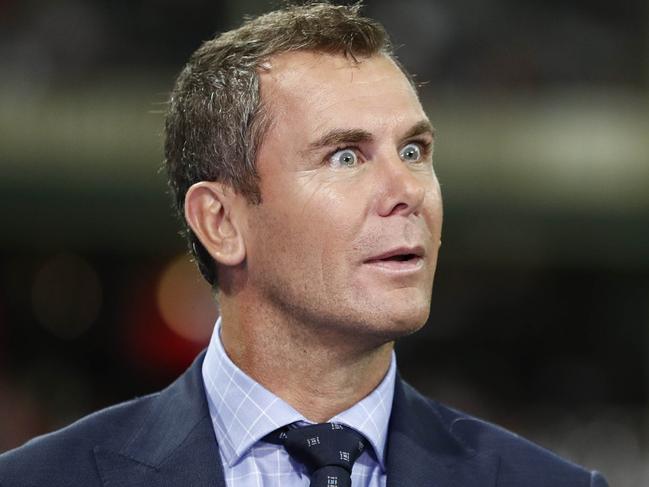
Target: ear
209	213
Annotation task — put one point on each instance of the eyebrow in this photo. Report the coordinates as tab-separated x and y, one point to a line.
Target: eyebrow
356	136
341	136
421	127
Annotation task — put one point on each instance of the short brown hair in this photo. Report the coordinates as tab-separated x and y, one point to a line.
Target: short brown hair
216	119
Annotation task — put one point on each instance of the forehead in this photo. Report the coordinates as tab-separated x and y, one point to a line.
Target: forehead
315	92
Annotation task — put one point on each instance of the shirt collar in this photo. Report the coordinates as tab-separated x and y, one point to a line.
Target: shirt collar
371	415
243	411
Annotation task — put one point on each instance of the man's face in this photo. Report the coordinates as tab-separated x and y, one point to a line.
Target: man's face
347	234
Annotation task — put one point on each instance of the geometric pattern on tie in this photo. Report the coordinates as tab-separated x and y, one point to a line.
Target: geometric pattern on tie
327	450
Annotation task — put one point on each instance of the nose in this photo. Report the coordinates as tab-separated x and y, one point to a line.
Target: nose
401	188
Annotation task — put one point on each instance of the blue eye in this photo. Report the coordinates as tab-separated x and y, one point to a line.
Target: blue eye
344	158
411	153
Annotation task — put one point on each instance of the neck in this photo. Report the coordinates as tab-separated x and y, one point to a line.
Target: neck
318	374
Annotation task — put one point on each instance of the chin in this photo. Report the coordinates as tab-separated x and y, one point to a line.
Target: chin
409	323
409	312
389	324
393	313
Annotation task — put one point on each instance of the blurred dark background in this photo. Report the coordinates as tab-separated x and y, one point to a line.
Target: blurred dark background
541	303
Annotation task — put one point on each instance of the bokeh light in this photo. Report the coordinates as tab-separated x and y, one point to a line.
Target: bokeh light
185	300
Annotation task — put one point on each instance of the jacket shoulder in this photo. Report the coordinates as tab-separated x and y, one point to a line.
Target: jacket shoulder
65	457
522	462
520	458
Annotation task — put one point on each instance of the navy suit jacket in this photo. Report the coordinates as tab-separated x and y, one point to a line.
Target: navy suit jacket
167	439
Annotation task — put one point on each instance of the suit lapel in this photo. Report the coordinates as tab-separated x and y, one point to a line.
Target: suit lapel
175	445
422	451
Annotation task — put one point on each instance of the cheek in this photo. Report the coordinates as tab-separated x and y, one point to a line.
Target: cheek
325	228
282	235
309	227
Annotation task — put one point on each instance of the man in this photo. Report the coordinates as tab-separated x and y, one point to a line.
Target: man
301	159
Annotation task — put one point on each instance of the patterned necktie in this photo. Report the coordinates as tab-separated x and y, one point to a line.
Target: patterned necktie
328	450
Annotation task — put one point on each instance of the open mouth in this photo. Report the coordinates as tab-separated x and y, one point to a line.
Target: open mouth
398	260
400	257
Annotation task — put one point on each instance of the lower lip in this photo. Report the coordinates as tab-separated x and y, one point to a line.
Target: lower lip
398	266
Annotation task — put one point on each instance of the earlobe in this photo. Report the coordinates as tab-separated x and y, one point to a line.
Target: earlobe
209	213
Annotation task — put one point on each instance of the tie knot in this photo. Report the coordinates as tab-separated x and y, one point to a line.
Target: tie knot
324	444
327	450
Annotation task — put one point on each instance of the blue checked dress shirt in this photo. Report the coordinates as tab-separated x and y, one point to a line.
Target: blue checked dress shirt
243	412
